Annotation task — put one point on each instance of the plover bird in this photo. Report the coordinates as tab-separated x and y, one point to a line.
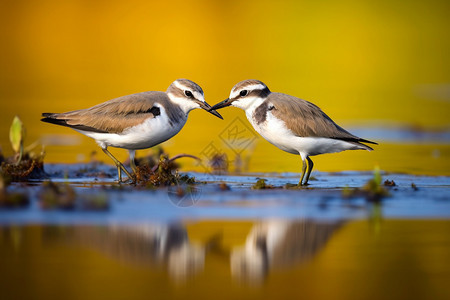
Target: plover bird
292	124
136	121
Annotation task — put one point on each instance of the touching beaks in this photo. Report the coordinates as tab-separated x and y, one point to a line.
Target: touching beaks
222	104
209	109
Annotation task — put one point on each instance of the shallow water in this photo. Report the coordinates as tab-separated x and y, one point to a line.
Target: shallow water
239	243
223	259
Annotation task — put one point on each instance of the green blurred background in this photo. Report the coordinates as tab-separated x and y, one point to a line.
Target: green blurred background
365	63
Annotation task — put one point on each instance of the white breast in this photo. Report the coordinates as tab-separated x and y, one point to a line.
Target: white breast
151	132
275	131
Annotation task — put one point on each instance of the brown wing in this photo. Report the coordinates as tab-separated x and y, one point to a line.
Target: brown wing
112	116
307	120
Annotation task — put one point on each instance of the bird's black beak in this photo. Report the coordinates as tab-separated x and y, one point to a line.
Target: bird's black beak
209	109
224	103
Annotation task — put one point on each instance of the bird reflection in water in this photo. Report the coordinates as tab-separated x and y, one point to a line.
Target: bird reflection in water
164	245
273	244
270	244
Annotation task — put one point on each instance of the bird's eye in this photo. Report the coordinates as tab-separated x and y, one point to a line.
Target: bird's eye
243	93
188	93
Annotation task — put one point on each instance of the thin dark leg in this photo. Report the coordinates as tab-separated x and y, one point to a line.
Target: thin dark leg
303	172
118	164
310	167
119	172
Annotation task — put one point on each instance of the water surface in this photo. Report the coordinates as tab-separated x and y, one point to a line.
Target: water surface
239	243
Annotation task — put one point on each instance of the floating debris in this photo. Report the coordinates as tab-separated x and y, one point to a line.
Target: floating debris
11	200
183	190
414	187
389	183
63	196
261	185
293	186
57	196
224	187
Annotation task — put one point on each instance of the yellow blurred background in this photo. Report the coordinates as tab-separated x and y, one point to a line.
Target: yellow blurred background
365	63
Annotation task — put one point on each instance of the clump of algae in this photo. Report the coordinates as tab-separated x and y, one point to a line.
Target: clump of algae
261	185
373	190
11	199
163	173
62	196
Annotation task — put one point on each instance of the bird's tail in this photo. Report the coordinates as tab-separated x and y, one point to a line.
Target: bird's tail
364	146
53	119
367	141
358	142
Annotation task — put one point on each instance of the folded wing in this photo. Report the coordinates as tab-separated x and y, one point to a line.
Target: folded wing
305	119
113	116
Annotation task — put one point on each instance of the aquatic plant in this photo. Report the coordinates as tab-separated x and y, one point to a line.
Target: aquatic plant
373	190
24	164
16	136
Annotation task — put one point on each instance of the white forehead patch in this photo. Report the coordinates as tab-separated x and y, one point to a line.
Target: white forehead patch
179	85
183	87
234	93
